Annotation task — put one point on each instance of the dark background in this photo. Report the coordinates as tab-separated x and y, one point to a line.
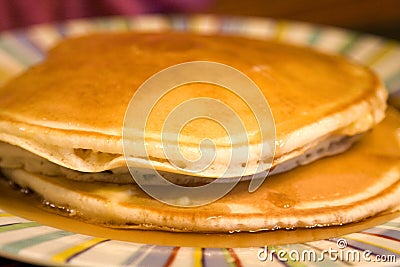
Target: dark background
380	17
373	16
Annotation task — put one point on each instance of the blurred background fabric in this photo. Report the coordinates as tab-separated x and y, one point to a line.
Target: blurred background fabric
20	13
380	17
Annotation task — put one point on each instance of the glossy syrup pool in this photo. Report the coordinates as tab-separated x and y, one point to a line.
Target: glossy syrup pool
19	202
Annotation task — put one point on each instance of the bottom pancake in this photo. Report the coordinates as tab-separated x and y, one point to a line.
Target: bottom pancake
341	189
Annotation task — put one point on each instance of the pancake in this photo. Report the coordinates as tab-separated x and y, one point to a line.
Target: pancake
62	123
354	185
70	108
15	157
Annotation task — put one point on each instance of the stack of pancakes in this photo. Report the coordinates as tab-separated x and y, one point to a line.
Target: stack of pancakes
61	126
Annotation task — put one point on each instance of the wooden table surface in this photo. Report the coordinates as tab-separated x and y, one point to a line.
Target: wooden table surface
381	17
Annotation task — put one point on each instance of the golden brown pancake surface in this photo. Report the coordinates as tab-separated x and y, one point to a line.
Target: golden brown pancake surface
77	98
354	185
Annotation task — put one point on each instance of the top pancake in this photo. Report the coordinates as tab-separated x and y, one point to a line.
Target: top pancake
77	98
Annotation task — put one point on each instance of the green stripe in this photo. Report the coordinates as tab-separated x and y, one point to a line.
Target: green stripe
17	226
101	24
326	261
229	260
392	80
383	52
127	23
351	41
393	224
136	255
14	53
114	24
15	247
316	34
280	30
288	261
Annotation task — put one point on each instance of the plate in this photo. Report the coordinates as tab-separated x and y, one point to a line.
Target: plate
44	242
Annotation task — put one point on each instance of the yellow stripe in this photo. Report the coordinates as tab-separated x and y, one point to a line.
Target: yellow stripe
63	256
6	215
280	30
373	244
197	254
382	53
4	75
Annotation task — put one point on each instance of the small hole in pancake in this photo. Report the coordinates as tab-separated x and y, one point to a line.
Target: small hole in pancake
82	153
